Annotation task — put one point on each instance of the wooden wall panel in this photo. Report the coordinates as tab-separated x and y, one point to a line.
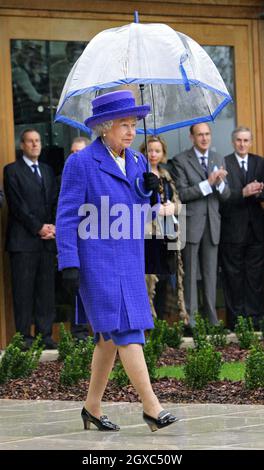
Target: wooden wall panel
204	8
6	153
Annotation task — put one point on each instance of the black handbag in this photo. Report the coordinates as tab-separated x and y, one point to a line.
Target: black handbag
158	258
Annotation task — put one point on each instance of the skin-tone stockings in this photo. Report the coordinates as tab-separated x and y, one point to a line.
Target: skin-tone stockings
132	358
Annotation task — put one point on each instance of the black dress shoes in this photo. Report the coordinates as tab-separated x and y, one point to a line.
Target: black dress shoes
26	346
27	343
188	331
102	424
49	344
164	419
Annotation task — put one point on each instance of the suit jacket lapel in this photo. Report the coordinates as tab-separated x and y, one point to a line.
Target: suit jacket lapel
252	163
28	172
194	162
211	162
236	170
45	176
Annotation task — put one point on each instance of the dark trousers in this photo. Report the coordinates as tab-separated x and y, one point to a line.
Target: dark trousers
80	330
243	279
33	291
160	297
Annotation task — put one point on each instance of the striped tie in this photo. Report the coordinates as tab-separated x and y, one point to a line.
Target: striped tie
203	164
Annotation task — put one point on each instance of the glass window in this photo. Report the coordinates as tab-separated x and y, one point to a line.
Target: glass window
178	140
39	71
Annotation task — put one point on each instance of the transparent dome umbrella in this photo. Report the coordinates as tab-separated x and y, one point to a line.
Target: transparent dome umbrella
177	77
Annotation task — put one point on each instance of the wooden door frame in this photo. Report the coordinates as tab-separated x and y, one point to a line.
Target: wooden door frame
245	36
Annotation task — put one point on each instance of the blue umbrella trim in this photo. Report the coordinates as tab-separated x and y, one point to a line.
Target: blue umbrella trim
66	120
145	81
76	124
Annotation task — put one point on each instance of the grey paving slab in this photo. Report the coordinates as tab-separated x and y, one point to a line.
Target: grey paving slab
51	425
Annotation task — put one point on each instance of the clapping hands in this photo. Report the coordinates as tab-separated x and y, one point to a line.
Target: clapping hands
217	176
253	189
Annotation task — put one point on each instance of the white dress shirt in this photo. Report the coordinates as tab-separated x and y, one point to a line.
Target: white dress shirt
205	186
30	164
240	160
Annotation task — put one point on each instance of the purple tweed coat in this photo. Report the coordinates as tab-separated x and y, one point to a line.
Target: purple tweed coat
111	270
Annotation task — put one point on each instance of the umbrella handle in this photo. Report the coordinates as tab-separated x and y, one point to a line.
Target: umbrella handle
138	189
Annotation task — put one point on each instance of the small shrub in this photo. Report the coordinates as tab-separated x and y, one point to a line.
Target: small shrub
202	365
174	334
17	363
158	336
199	331
218	334
151	359
119	375
77	363
66	343
261	327
245	332
85	350
254	374
72	369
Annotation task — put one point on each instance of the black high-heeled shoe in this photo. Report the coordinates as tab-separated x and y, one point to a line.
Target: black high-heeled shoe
164	419
103	423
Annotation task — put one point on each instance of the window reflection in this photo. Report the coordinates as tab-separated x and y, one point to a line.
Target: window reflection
66	54
178	140
39	71
30	82
223	58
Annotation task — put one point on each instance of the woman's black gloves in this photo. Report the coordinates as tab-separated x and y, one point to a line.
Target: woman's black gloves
151	181
71	280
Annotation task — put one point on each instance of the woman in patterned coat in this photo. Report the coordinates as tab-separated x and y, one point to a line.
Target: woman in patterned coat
163	266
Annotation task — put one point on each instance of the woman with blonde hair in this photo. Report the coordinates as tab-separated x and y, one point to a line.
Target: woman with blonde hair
158	273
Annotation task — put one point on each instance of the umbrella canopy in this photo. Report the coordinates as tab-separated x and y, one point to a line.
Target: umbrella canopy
181	82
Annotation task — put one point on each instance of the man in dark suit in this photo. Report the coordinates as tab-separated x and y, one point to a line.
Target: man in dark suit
31	195
1	197
242	232
200	180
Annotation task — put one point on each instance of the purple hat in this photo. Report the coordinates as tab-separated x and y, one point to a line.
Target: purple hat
115	105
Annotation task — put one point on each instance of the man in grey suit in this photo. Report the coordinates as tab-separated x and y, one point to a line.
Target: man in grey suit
200	180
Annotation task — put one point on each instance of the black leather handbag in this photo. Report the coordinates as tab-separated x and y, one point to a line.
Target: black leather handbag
158	258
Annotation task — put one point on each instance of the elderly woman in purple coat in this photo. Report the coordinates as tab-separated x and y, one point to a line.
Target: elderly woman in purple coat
101	251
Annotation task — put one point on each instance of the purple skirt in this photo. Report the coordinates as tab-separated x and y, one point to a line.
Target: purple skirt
124	335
